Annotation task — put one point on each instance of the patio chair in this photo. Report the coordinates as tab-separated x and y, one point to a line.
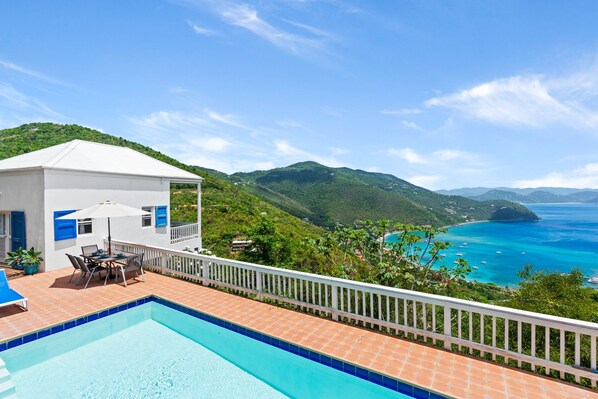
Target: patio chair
76	267
134	264
91	268
8	296
89	250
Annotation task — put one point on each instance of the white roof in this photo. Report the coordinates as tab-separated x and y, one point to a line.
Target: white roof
86	156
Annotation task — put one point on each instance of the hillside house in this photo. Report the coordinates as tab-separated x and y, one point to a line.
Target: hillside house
38	187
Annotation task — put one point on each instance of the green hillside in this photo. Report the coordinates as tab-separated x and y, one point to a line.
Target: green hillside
327	195
227	211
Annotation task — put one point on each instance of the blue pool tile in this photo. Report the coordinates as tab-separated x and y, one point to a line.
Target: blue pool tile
92	317
362	373
14	342
437	396
122	307
284	346
29	338
337	364
44	333
390	383
103	313
112	310
376	378
294	349
325	360
405	388
349	369
419	393
304	353
57	328
314	356
2	346
275	342
70	324
81	320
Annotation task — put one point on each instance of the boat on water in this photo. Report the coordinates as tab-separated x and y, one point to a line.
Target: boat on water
459	254
484	262
498	252
593	280
523	253
475	267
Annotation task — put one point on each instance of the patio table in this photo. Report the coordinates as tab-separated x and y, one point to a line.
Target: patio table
109	262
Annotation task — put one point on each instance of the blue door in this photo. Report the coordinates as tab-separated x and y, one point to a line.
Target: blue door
17	230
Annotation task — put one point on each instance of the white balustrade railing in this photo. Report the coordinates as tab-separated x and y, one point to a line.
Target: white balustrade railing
505	335
184	232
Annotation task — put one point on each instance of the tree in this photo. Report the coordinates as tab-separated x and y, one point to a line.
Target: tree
269	246
559	294
406	263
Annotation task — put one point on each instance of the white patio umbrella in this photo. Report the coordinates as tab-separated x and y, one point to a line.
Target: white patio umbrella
108	210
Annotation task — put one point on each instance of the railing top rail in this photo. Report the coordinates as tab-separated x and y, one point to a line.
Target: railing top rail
501	311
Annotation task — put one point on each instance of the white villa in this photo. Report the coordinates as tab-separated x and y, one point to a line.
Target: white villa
38	187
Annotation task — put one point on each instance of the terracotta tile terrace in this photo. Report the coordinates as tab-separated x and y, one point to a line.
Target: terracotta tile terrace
53	301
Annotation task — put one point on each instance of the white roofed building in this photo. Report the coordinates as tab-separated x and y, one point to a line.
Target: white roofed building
38	187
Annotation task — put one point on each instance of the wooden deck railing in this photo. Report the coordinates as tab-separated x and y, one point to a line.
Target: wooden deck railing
556	346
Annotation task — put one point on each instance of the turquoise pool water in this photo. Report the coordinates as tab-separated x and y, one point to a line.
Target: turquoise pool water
151	351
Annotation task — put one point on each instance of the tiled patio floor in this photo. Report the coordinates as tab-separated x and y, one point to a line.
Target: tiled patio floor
52	300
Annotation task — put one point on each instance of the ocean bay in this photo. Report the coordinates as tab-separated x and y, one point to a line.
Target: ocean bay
565	237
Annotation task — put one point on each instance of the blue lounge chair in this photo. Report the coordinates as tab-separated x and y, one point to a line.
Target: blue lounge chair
8	296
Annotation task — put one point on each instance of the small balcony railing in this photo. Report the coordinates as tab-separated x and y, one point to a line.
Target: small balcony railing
183	232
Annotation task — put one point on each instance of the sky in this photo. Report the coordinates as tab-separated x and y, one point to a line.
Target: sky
444	94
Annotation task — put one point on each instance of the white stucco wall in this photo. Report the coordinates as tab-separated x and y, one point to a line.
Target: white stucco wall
66	190
24	191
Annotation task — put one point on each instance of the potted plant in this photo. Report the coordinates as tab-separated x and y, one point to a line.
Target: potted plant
15	259
31	261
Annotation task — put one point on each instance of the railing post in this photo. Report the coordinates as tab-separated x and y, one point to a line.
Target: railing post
258	284
204	271
334	302
164	263
447	327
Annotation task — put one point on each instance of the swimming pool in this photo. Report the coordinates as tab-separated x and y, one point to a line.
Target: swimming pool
152	350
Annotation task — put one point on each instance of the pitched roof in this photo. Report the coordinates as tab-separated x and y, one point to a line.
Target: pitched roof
87	156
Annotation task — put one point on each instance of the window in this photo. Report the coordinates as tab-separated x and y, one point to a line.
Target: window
2	224
146	220
84	226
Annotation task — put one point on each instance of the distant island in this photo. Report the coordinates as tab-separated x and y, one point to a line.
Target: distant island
540	195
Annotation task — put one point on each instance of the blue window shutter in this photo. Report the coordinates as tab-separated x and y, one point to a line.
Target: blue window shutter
64	228
161	216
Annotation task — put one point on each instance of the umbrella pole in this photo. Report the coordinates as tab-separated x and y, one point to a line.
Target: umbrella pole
109	239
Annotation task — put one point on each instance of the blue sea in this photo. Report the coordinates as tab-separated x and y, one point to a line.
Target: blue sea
565	237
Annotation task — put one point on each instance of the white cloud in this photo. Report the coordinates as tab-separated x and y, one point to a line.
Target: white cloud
178	90
295	154
534	101
17	108
231	120
338	151
200	30
427	181
402	111
411	125
289	123
25	71
245	16
219	141
585	176
449	155
409	155
212	144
